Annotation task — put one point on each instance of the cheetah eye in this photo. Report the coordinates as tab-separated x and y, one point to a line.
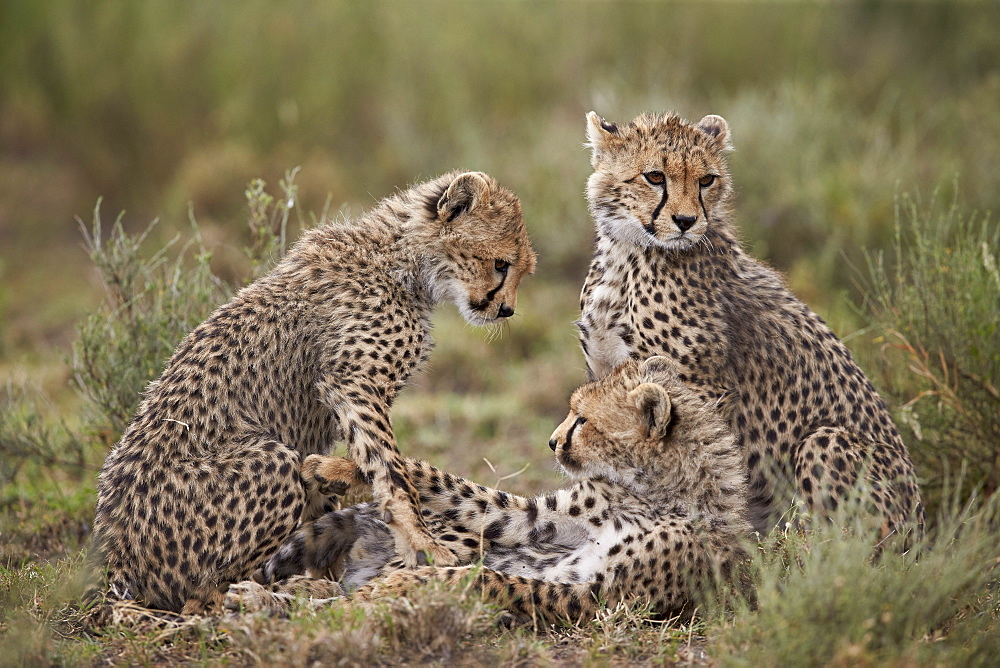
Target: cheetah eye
654	178
501	266
580	421
706	180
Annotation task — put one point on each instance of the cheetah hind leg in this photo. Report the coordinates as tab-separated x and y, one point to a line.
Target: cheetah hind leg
324	472
843	477
351	546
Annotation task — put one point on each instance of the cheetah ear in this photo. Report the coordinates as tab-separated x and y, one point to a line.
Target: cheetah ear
657	369
462	195
717	127
599	131
653	404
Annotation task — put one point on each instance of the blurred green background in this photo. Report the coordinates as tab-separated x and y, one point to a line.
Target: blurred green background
835	110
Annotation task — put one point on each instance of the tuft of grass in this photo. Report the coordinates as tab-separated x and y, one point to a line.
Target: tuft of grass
43	522
823	599
934	301
39	611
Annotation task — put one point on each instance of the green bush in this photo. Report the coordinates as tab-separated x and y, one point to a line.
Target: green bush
152	302
149	305
823	600
935	302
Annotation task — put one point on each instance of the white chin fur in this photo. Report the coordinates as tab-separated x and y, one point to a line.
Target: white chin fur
680	242
625	477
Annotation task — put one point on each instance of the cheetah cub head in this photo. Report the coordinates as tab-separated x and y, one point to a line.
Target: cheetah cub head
642	428
482	248
659	180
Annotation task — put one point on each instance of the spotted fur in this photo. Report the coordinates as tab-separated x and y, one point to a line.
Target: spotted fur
669	277
212	473
657	515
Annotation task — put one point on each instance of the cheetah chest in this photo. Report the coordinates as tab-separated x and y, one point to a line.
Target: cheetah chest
605	329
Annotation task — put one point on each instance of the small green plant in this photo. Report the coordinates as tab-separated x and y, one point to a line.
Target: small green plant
151	302
27	434
268	221
823	599
936	306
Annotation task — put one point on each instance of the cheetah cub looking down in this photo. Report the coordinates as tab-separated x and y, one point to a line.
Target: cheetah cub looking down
214	470
657	514
670	278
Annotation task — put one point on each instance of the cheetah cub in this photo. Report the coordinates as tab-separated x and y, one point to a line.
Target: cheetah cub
218	465
670	278
657	514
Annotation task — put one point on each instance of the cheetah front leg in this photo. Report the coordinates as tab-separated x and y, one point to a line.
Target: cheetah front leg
527	598
326	479
483	513
372	446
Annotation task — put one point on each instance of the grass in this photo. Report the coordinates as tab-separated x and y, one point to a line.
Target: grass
838	111
822	600
432	625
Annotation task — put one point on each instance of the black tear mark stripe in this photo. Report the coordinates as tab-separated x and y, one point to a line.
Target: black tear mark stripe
668	434
493	293
481	305
569	434
659	207
701	203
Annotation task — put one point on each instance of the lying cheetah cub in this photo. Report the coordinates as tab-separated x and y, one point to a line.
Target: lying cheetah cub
669	277
205	482
657	512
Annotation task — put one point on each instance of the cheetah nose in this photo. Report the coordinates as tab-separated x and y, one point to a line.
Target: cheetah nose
684	223
505	311
553	444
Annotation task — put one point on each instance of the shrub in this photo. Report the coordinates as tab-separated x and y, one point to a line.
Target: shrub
823	600
935	305
152	302
26	434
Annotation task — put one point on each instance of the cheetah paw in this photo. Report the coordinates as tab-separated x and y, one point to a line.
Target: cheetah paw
330	476
253	597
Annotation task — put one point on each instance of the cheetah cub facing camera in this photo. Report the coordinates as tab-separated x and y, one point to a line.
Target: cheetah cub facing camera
657	514
217	467
670	278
